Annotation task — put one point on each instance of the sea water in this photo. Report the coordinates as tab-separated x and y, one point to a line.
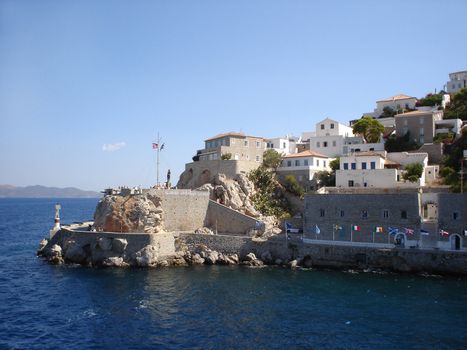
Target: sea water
209	307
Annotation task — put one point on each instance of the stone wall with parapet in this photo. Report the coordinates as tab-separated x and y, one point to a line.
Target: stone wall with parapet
183	210
334	256
135	241
452	215
226	220
399	210
201	172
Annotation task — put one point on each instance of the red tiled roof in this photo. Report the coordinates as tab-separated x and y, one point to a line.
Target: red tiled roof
307	153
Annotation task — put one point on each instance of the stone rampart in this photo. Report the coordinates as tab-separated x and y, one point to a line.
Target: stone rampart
226	220
183	210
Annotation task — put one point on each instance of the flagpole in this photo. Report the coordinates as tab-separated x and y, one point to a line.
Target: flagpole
157	161
351	233
374	236
333	232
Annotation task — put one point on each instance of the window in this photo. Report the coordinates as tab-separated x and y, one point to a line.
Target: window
422	139
372	148
245	143
364	165
332	125
289	163
350	183
455	215
342	213
422	132
321	213
353	166
403	214
364	214
236	157
257	158
333	143
317	162
297	162
325	144
258	144
346	166
317	144
406	106
324	163
372	165
300	178
322	126
247	157
305	162
385	214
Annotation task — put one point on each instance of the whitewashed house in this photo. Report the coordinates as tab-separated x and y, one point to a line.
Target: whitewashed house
283	145
304	166
382	170
329	138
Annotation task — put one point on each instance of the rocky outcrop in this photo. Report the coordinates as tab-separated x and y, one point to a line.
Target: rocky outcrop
136	213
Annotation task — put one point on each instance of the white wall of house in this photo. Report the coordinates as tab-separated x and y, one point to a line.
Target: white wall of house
330	127
395	104
448	125
405	158
310	164
363	147
431	174
282	145
331	146
352	162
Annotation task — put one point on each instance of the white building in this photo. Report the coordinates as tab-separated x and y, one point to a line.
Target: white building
329	138
304	166
457	81
283	145
382	170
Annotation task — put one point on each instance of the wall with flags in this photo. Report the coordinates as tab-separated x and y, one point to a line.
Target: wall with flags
452	216
362	217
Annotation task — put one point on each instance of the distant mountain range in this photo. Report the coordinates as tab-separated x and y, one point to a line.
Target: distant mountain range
8	191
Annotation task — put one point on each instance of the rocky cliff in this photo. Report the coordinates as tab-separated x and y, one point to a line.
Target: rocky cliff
139	213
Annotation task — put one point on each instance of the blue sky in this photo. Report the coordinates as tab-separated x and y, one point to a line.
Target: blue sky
80	78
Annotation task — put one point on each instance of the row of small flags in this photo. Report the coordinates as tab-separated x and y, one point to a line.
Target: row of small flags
391	230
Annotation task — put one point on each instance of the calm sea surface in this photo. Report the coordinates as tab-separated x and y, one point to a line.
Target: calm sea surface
61	307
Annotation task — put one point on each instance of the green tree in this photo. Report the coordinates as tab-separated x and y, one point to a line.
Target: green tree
335	164
325	178
388	112
413	172
430	100
292	185
271	159
400	143
451	168
226	156
458	106
369	128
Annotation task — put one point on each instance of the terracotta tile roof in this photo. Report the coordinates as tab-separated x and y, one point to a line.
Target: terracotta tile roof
307	153
234	134
396	98
390	162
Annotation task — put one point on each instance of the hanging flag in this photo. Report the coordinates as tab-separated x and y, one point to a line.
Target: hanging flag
342	232
317	230
379	229
337	227
465	232
162	146
424	233
355	228
393	230
409	231
443	233
155	146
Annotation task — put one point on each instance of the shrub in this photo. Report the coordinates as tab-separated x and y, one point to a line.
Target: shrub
292	185
413	172
226	156
271	159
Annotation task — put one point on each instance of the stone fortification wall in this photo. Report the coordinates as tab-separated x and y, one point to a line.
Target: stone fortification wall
401	210
226	220
434	150
183	210
452	215
322	255
202	172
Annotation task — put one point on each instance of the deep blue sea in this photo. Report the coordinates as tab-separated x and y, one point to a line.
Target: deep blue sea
62	307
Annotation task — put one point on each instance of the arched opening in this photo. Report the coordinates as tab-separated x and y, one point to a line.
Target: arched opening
400	239
456	242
